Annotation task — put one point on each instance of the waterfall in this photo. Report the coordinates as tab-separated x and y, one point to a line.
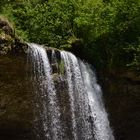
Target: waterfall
68	100
101	128
46	93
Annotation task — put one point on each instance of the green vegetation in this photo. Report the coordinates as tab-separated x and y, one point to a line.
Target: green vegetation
109	30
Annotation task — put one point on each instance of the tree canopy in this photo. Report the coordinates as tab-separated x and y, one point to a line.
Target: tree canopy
109	30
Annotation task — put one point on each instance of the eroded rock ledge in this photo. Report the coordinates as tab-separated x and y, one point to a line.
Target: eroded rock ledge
16	98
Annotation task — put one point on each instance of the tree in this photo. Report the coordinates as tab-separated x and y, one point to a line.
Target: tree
109	31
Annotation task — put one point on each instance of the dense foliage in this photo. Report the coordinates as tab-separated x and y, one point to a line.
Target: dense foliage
108	30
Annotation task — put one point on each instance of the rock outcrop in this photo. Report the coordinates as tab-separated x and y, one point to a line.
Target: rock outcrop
122	99
16	108
121	92
9	42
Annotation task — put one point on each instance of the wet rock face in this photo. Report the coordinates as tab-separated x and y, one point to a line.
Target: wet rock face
16	106
122	98
16	99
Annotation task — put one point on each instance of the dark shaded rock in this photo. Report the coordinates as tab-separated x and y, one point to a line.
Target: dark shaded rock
76	46
6	26
58	55
2	23
54	67
54	57
8	30
9	42
122	98
19	47
16	99
56	51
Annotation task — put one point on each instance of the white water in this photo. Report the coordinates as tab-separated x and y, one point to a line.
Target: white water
89	93
101	128
87	118
47	93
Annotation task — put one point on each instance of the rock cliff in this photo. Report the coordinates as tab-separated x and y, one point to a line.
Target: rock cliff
122	99
121	91
16	113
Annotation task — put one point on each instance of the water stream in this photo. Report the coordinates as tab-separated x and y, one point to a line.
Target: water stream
68	100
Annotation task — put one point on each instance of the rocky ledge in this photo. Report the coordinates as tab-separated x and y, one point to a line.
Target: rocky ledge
9	41
16	108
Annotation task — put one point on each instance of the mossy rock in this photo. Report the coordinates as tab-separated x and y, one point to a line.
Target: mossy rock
9	42
6	26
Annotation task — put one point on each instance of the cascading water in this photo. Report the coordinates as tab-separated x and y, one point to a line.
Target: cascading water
88	96
102	130
68	100
46	93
